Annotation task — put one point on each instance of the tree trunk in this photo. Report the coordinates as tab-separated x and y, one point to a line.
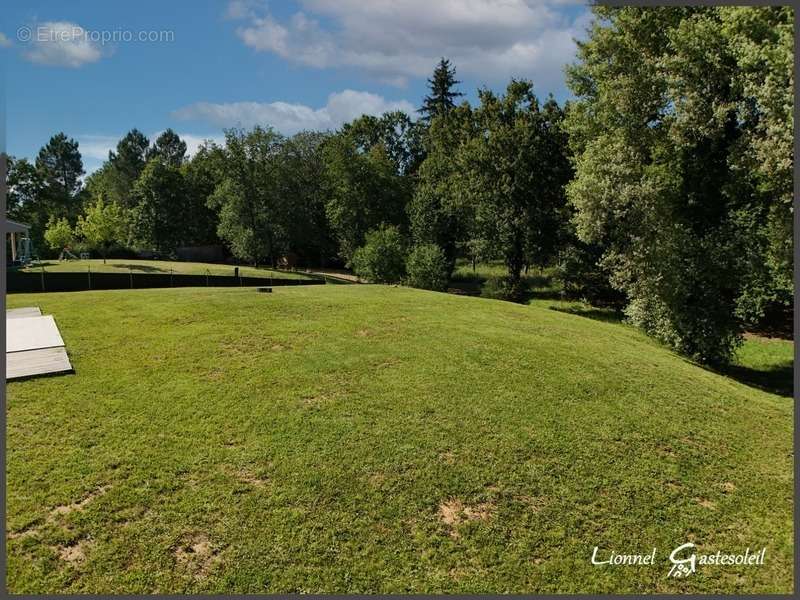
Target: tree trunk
515	262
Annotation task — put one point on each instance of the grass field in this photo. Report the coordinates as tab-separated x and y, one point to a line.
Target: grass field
125	265
380	439
763	362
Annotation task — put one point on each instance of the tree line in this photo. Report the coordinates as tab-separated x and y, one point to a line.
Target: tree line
665	186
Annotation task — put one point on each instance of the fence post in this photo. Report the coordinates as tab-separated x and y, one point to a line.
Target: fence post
43	289
89	271
130	272
170	278
206	277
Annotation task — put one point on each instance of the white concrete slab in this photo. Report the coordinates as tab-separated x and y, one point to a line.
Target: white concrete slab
32	333
28	311
36	362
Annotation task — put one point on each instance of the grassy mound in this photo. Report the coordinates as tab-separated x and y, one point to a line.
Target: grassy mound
376	439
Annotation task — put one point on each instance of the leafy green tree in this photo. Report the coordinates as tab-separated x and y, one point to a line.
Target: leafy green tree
762	43
158	220
438	213
364	191
674	110
202	174
401	138
116	178
248	200
382	257
102	225
168	148
442	96
303	192
98	183
427	268
59	234
60	166
24	187
25	199
514	171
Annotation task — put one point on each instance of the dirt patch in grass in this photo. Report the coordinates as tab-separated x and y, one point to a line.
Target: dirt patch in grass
65	509
377	479
197	555
674	486
387	363
458	573
75	553
249	478
448	458
244	346
16	535
666	450
68	553
246	476
215	374
706	503
454	512
314	399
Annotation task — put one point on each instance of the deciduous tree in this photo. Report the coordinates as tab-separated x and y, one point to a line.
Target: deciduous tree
102	225
680	137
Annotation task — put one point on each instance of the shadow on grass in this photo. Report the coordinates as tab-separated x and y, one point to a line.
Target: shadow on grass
140	268
606	315
537	287
540	294
40	264
778	379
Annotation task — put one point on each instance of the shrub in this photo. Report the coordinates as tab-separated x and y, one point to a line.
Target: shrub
427	268
382	257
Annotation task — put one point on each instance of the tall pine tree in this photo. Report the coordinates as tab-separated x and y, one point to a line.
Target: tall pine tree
442	95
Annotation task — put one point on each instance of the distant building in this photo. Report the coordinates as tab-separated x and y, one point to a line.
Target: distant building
19	238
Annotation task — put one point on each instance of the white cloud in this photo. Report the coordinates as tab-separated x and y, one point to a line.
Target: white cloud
491	39
288	118
193	142
96	146
94	149
4	41
239	9
61	44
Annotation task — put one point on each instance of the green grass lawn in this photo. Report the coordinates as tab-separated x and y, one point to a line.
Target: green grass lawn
125	265
381	439
763	362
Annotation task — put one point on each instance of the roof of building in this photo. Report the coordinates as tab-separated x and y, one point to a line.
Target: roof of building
15	226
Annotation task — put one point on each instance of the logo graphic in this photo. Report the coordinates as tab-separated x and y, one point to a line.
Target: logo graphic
682	567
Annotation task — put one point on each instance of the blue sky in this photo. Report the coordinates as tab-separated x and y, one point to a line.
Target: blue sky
204	66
